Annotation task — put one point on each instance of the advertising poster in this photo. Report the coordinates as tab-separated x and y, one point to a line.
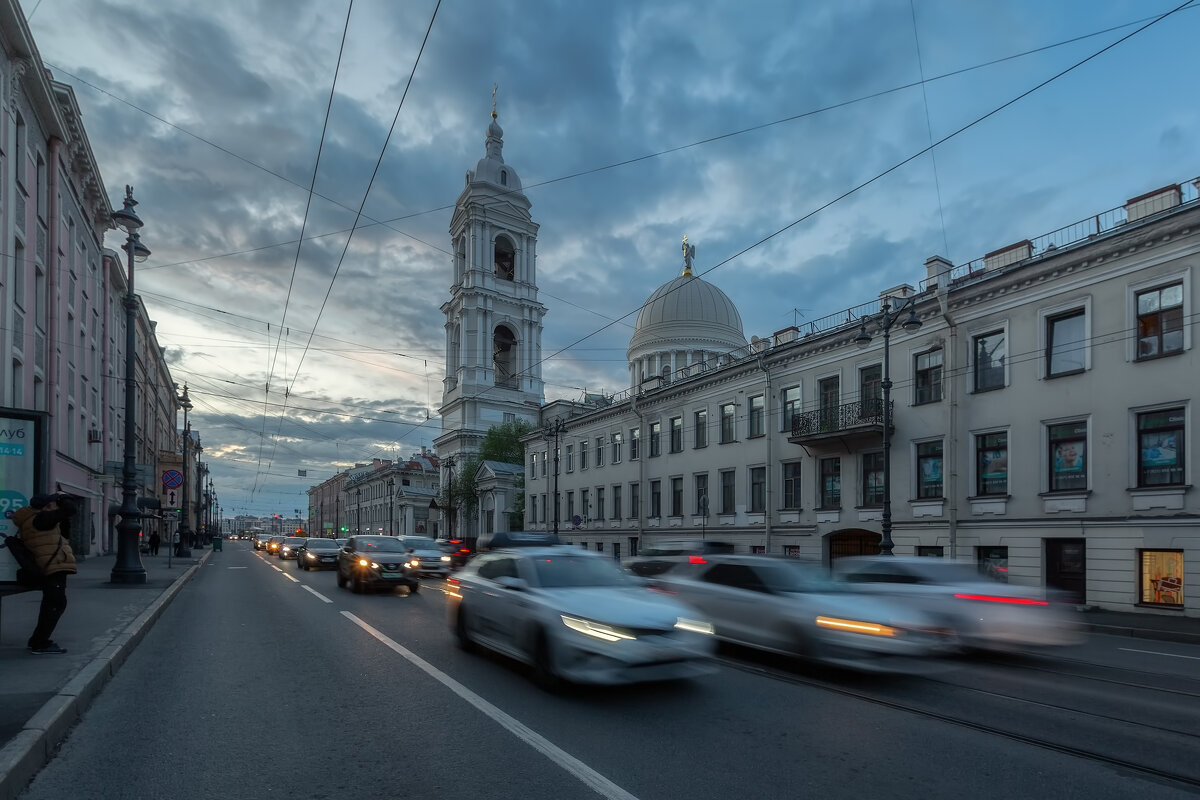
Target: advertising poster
18	470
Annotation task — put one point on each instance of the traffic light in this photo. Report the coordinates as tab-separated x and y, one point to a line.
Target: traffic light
345	529
299	531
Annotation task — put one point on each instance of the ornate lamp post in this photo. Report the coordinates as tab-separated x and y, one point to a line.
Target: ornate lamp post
358	511
184	532
391	502
553	432
884	322
450	496
128	567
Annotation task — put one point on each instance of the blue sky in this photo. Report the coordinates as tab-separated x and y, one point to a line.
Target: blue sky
224	104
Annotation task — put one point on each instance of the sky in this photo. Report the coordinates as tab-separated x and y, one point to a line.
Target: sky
815	153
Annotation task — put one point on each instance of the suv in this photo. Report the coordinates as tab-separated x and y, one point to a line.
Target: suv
371	562
426	557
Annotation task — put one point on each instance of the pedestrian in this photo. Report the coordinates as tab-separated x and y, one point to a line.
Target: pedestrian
44	527
155	541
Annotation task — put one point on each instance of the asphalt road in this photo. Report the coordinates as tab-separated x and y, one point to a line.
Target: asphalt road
259	682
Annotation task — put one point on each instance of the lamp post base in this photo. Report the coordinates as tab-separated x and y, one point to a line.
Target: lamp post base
128	569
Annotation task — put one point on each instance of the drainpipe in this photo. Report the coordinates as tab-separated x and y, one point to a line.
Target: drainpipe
770	436
940	268
633	405
52	281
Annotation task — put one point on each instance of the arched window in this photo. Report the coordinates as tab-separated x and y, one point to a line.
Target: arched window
504	177
505	258
504	357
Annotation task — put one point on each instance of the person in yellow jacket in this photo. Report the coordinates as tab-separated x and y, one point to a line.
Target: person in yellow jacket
44	526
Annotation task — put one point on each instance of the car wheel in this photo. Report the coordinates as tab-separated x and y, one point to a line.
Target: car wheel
461	632
412	589
543	665
341	579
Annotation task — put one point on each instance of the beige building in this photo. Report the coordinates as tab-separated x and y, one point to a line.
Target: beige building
1040	417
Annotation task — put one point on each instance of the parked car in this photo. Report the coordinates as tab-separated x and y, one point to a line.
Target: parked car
795	608
288	547
985	614
574	616
426	557
317	553
373	562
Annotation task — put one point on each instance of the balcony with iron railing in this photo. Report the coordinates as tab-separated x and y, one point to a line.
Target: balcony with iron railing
850	425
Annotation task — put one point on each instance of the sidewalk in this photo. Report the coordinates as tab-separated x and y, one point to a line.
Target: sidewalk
42	697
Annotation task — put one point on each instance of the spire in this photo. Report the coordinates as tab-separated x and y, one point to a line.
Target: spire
495	135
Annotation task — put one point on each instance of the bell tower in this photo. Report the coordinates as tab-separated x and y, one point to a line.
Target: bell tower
493	317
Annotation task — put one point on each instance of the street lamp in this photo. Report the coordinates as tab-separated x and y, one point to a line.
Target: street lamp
128	567
450	496
884	321
554	431
358	510
185	529
391	502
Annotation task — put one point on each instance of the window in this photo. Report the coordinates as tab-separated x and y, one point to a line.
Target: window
1160	448
616	502
728	479
931	551
600	511
676	434
571	506
870	390
727	412
791	485
991	464
655	499
533	509
585	504
1066	338
831	483
635	436
928	377
599	547
1160	321
990	352
929	470
533	465
545	462
599	451
701	484
1068	456
755	422
583	454
700	426
790	399
504	357
615	440
993	562
676	497
635	499
570	458
872	479
1161	577
758	490
655	439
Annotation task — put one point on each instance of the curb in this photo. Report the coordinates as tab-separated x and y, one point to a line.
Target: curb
1182	637
33	747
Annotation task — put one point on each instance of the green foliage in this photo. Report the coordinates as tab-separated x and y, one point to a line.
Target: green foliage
503	442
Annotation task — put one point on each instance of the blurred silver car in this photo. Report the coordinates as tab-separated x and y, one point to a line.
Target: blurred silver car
795	608
575	616
984	613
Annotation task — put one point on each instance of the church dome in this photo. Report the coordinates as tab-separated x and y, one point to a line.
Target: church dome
491	168
686	314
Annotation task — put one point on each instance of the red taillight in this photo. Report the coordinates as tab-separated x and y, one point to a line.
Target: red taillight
452	581
697	560
988	598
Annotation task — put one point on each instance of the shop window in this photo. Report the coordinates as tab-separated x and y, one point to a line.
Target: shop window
1160	448
1161	577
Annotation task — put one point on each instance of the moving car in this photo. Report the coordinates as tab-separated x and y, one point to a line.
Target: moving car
374	562
273	545
317	553
426	557
458	550
659	557
288	547
574	616
260	541
795	608
984	614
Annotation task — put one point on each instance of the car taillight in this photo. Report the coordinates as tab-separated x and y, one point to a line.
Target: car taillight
697	560
991	598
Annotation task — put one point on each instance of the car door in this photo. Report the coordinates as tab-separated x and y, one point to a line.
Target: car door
732	595
495	605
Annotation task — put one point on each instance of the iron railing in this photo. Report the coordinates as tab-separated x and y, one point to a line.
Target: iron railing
845	418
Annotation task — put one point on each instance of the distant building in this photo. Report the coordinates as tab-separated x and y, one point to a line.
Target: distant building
1042	420
389	498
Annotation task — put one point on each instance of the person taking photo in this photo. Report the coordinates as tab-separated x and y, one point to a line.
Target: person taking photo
44	527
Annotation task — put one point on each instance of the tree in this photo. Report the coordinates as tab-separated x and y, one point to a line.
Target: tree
501	443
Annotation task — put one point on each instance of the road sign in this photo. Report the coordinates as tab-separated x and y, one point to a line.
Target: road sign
172	478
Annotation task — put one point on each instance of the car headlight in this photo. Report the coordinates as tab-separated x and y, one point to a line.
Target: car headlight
445	558
287	549
694	625
597	629
855	626
310	555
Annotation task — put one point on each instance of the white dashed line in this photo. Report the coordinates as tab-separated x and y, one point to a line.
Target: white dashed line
320	596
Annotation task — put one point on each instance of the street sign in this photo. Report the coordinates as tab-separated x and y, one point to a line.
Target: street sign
172	479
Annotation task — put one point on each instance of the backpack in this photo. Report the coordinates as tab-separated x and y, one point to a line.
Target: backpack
29	572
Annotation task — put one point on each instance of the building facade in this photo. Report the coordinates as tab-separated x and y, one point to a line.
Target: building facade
1040	417
388	498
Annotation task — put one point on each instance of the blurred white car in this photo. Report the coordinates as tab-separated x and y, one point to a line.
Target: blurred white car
984	613
795	608
575	616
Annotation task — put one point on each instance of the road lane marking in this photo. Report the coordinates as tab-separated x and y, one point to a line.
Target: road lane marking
597	782
237	568
1158	653
289	577
322	597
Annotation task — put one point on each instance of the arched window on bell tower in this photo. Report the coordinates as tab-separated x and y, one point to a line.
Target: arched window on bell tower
505	258
504	357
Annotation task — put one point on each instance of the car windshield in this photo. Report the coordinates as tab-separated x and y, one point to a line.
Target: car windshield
420	543
294	541
381	545
791	577
556	572
321	544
